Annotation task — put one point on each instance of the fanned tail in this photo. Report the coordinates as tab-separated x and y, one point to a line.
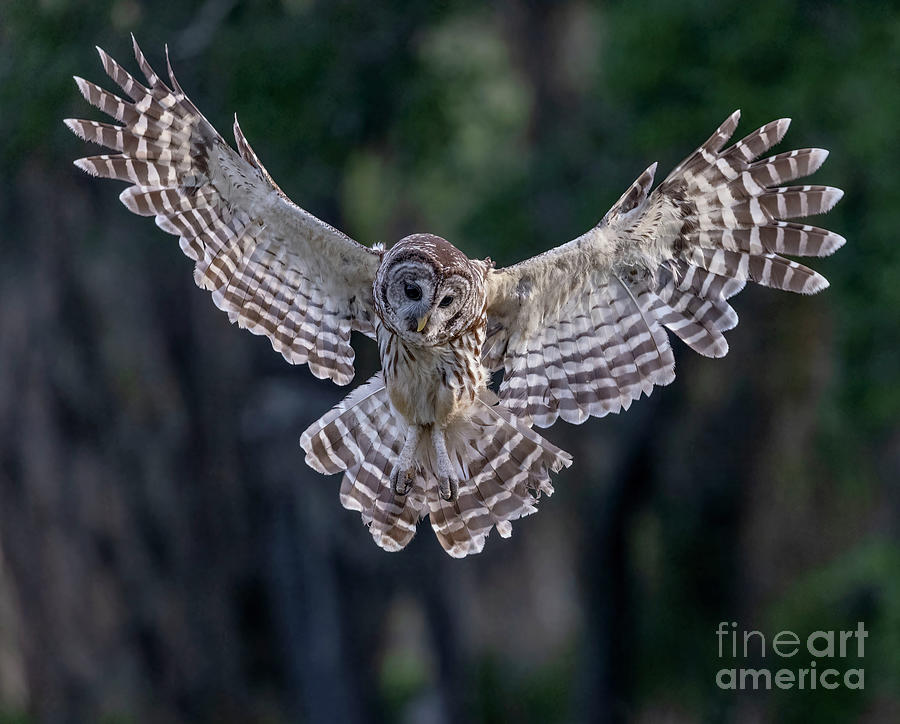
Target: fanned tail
503	467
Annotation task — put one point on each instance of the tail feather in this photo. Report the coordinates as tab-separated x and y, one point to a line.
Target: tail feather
510	466
329	443
503	464
396	519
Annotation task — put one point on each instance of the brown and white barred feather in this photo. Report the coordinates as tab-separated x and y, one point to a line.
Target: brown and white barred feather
503	467
272	267
579	329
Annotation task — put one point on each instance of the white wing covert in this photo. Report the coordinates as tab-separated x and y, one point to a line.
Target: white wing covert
274	268
579	330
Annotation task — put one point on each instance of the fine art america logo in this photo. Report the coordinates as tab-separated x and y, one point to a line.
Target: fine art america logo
820	663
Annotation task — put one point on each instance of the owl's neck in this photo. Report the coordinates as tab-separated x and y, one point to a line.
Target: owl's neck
470	342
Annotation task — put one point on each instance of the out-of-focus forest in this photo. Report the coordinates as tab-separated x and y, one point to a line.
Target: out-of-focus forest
166	555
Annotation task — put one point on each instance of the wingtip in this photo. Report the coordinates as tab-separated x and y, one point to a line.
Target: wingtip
238	135
83	87
815	284
832	196
723	132
82	163
105	60
783	125
74	125
172	79
817	157
831	244
127	199
138	54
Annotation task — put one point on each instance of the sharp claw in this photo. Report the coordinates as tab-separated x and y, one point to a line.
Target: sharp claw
449	489
402	482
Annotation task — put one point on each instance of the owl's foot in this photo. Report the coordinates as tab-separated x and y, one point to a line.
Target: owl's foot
404	474
448	487
402	480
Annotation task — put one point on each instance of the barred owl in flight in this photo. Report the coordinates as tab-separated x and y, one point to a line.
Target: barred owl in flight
578	331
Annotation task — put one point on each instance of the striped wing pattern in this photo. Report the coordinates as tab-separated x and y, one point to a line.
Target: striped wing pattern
269	265
604	351
504	467
666	260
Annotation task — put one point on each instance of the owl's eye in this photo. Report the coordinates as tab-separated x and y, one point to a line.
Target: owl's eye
446	301
413	292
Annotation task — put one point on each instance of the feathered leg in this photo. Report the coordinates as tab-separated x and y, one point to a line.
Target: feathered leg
485	471
405	471
447	482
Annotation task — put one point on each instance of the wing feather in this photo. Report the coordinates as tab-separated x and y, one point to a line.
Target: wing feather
579	330
272	267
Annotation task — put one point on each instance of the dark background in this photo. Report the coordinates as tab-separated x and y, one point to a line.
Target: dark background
166	555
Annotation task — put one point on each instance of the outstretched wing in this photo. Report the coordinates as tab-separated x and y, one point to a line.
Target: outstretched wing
274	268
579	330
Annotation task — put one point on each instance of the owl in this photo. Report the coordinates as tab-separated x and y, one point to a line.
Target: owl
578	331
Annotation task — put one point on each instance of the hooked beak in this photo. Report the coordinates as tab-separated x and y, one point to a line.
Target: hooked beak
421	322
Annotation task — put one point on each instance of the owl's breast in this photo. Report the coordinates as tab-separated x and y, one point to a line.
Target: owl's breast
432	385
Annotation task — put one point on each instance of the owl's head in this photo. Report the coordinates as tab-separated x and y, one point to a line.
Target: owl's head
427	291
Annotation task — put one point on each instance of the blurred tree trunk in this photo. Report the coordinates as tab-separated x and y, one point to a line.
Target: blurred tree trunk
140	563
167	554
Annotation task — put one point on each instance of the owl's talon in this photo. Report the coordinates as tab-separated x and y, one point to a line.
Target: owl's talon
448	488
402	482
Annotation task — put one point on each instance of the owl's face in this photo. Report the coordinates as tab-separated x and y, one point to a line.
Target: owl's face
427	291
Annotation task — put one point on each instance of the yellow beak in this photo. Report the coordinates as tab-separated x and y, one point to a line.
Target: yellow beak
422	322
